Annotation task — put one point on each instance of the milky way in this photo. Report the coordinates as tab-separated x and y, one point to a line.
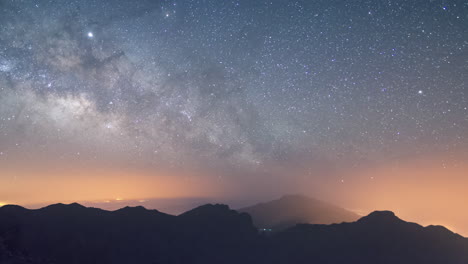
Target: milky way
249	85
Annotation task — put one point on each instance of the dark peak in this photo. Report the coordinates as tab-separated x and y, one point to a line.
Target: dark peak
133	209
62	206
389	214
212	207
12	207
380	216
139	207
215	218
208	209
440	230
76	205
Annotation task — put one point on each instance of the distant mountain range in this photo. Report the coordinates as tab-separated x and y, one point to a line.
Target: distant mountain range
213	234
296	209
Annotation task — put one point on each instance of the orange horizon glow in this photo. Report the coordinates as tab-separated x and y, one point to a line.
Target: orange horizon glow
417	191
21	188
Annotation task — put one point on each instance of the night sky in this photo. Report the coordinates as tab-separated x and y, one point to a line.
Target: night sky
363	103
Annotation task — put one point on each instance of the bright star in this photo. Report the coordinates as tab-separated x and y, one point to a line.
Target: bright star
90	34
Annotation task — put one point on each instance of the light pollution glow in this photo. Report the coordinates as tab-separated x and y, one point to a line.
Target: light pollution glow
418	191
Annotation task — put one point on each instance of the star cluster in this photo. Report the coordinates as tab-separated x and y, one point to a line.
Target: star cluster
233	84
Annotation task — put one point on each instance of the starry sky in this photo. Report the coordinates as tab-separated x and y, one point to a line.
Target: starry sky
357	102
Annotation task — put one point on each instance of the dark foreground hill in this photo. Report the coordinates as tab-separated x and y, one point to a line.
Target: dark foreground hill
213	234
380	237
290	210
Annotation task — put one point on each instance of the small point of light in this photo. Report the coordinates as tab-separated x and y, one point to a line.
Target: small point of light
90	34
420	92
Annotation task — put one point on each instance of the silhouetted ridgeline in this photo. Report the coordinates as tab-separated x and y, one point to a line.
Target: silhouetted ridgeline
213	234
290	210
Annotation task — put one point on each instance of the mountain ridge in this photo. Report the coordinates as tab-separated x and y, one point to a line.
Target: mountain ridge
290	210
214	233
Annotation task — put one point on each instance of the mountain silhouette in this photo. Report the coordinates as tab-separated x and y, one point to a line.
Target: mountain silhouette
213	234
290	210
380	237
75	234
